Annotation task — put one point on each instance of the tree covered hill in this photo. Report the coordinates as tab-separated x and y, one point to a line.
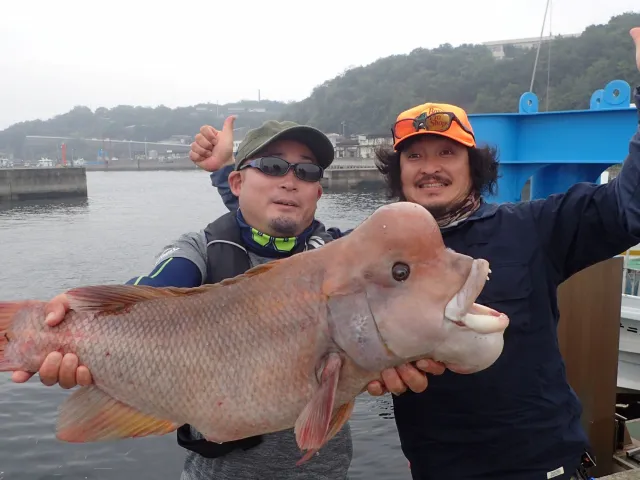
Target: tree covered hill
369	98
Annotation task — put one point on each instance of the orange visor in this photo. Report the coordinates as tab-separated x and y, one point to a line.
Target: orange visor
436	119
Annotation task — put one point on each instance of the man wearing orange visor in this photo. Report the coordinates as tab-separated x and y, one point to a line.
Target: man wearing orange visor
519	419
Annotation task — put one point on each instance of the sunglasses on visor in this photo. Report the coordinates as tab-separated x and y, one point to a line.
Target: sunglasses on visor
436	122
278	167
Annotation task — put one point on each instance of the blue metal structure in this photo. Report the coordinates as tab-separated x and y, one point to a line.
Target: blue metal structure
560	148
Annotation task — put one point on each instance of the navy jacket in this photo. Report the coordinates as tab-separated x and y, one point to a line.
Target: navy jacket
519	419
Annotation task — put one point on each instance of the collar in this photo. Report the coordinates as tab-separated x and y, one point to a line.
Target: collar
272	247
485	210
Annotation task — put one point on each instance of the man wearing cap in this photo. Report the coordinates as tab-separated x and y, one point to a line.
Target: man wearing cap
519	419
276	178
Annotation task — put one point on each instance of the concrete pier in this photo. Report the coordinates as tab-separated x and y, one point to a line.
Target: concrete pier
42	183
346	178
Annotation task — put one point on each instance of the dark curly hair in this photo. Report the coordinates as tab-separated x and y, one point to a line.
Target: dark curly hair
483	165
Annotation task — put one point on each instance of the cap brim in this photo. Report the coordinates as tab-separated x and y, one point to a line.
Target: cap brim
318	143
467	143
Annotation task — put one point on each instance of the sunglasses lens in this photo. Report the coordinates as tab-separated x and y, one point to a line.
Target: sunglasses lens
277	167
436	122
403	128
309	172
274	166
439	122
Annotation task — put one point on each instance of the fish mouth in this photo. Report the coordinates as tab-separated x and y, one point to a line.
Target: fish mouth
464	312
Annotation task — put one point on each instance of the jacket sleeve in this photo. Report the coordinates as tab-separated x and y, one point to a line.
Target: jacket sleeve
182	263
220	180
590	223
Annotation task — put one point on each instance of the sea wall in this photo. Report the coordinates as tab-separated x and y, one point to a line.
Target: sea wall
42	183
346	178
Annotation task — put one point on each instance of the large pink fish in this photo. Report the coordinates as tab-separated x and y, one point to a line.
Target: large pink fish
288	344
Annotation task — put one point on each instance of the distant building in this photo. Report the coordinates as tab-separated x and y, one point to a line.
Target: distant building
497	46
361	146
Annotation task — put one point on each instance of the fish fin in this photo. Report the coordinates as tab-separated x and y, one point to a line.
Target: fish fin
90	415
337	422
8	311
252	272
117	297
339	419
313	423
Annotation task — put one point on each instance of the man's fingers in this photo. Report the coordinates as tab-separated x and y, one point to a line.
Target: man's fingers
200	151
56	309
21	377
635	34
67	374
392	381
84	376
413	378
375	388
50	368
208	132
430	366
205	143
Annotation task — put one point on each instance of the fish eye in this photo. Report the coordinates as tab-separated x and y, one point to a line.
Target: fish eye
400	271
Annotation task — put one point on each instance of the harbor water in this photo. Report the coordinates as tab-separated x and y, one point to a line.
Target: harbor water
110	237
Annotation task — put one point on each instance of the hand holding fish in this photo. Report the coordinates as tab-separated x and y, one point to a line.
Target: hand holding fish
213	148
397	380
57	368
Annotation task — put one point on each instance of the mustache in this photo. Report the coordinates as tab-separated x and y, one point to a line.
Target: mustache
435	178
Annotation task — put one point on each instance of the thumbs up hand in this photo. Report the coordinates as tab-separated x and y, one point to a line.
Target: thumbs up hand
635	34
213	149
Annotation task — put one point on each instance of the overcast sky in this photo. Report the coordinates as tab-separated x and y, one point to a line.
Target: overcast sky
58	54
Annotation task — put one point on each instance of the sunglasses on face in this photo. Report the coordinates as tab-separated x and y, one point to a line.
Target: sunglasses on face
436	122
278	167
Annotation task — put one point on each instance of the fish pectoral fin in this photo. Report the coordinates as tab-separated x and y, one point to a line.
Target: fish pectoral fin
313	423
337	422
117	297
90	415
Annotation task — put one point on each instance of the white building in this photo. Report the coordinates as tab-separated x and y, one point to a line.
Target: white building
497	46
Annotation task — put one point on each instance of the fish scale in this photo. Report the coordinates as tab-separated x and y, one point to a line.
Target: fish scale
287	345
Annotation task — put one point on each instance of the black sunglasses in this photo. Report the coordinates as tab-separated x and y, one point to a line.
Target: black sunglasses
278	167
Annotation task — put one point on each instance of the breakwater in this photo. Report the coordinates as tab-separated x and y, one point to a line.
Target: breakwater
42	183
344	173
352	177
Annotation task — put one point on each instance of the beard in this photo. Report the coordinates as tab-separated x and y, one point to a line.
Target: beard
284	226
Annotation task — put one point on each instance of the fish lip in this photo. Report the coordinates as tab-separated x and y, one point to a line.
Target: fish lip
462	301
465	313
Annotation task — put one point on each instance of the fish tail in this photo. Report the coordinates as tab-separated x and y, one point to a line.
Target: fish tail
8	312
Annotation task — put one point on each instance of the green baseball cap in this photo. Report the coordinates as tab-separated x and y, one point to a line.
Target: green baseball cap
272	130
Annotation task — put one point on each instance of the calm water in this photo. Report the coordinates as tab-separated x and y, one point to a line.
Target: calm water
46	248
